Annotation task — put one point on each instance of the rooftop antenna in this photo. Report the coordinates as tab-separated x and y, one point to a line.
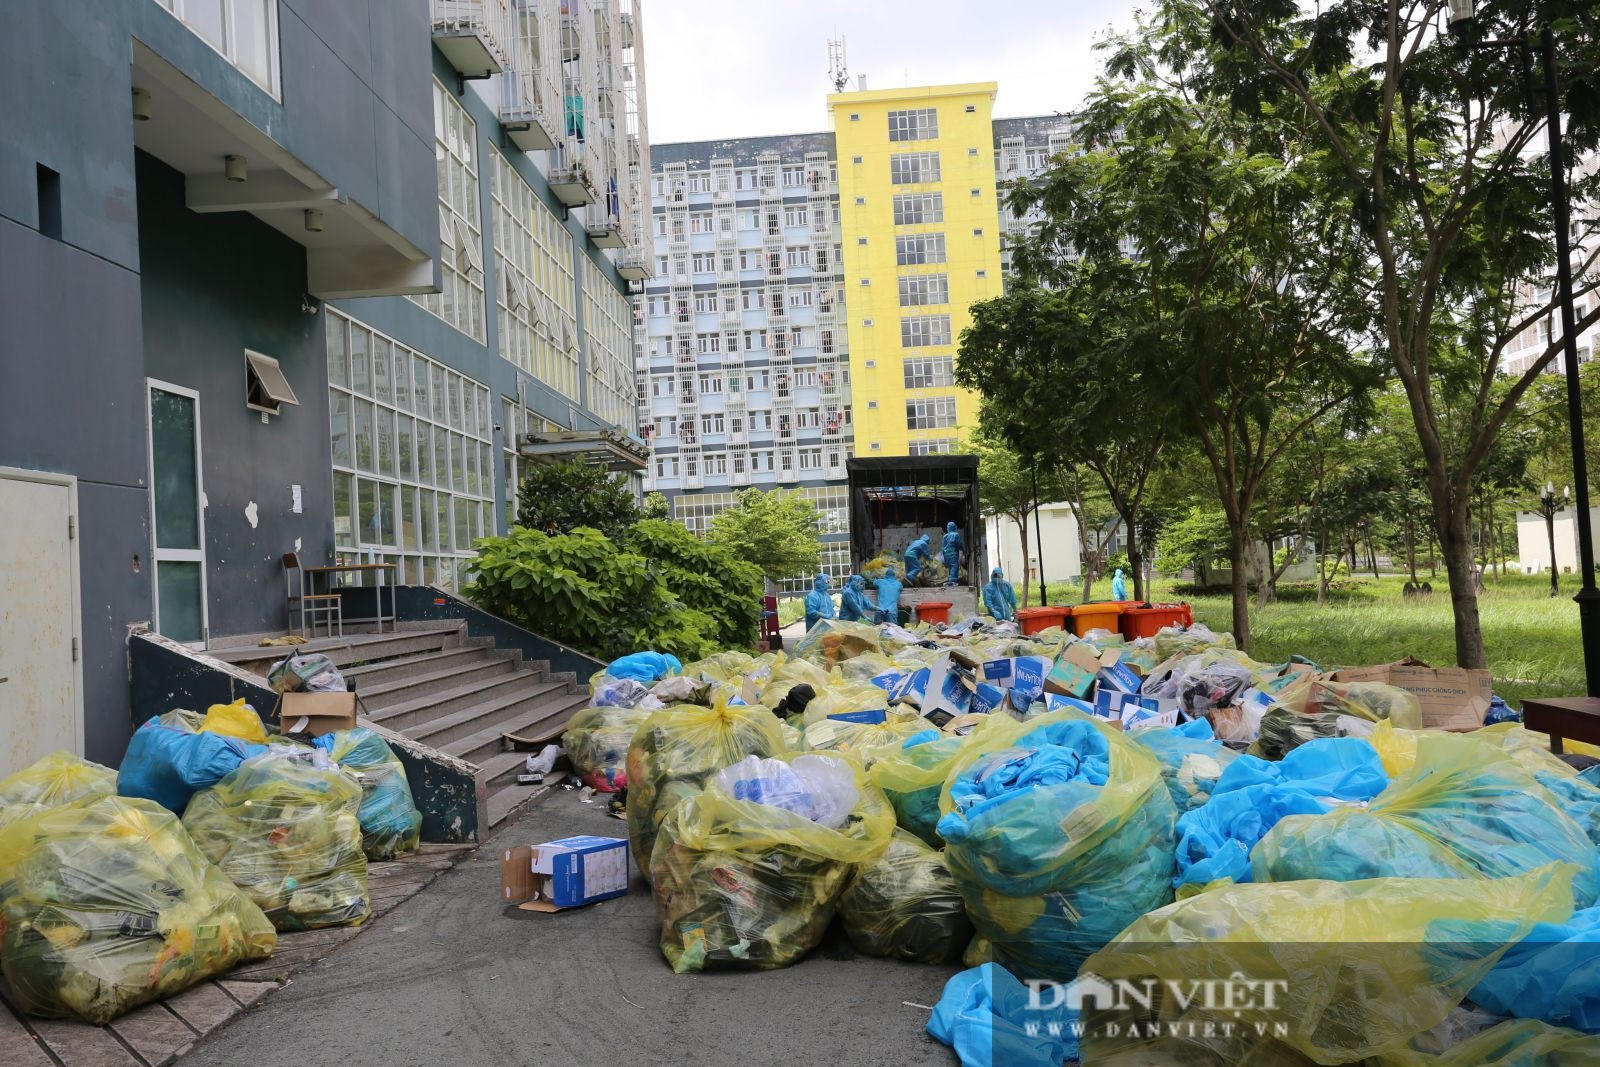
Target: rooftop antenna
836	65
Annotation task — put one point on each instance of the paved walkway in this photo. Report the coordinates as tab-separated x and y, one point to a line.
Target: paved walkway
159	1033
455	977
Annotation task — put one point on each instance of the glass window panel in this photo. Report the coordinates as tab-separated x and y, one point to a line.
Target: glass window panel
387	525
339	416
463	525
402	379
380	370
385	434
439	396
471	413
427	535
458	464
424	453
441	457
252	40
343	520
363	434
360	365
407	450
419	382
338	350
441	512
455	400
178	600
205	18
483	412
177	498
367	511
470	460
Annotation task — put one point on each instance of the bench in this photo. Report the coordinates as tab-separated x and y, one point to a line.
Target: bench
1569	718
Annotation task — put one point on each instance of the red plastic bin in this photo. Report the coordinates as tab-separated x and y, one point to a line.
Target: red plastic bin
1143	620
934	611
1102	615
1034	620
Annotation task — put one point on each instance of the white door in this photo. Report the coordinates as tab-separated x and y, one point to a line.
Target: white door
41	708
177	514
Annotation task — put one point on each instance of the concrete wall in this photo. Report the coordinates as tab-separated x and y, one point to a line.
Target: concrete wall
1533	540
1063	557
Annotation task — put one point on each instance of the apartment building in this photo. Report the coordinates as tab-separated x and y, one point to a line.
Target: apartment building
743	373
1023	149
336	268
921	241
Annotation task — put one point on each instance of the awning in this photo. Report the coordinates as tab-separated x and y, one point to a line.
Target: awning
598	448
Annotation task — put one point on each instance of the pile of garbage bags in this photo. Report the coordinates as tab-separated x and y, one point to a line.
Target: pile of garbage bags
106	904
905	905
285	828
57	778
390	821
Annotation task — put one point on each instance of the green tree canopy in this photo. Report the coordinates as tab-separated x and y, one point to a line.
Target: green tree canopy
775	531
557	498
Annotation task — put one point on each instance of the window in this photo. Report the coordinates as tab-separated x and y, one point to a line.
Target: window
800	298
977	192
804	378
794	215
794	176
666	466
608	370
700	222
907	168
918	290
761	461
716	464
710	383
920	124
921	331
757	379
708	343
750	259
978	232
460	236
937	446
861	240
911	209
855	116
810	459
704	302
855	159
755	340
914	249
973	151
799	256
748	219
972	108
413	473
711	423
244	31
860	200
927	372
704	262
932	413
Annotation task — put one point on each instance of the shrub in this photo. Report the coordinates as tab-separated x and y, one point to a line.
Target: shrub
557	498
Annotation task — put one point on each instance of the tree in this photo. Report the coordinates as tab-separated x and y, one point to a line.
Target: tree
1051	370
656	506
1212	265
1005	489
557	498
776	531
1435	149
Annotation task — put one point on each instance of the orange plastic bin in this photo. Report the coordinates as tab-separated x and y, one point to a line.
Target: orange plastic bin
1034	620
934	611
1100	616
1143	620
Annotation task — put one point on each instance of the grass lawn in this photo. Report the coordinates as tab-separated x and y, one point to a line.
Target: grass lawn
1532	639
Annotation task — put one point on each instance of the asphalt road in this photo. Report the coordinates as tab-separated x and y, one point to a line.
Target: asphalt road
453	977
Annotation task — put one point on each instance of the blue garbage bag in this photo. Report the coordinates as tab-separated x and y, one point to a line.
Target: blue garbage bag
168	763
644	666
390	821
1252	795
1578	797
1192	760
1552	975
1463	810
912	777
988	1018
1059	832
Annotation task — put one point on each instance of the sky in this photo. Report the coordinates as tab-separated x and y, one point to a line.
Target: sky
743	68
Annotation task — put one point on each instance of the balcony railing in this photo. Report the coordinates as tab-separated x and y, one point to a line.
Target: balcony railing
476	36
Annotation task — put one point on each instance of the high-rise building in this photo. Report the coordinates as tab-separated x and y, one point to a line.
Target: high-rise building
920	231
337	266
1023	148
743	376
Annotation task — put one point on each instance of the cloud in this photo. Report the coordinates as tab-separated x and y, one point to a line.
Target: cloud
743	68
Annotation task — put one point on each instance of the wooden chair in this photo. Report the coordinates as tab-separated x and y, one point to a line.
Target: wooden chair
312	606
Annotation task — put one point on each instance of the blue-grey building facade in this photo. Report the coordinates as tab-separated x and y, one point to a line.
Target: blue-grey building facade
291	276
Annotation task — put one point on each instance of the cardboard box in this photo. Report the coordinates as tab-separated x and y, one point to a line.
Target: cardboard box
1021	674
1118	676
1056	702
1147	711
987	698
952	681
911	688
871	716
568	873
1074	671
1453	698
316	713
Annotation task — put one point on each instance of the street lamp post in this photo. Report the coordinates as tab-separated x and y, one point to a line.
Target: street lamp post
1462	14
1548	501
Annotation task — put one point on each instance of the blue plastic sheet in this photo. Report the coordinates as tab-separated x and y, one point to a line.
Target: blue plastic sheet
1252	795
644	666
1552	975
169	764
1192	760
987	1017
1463	810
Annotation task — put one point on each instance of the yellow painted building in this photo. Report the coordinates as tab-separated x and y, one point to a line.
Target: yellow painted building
918	220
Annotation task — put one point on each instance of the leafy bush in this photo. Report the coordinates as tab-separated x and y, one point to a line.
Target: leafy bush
556	498
661	589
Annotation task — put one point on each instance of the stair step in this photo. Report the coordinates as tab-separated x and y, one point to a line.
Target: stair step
544	717
391	670
468	715
393	646
385	693
440	706
508	802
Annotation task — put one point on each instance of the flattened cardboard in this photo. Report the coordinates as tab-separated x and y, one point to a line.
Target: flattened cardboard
316	713
1453	698
1074	671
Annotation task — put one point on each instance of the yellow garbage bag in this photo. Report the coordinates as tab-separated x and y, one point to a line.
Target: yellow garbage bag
106	904
727	666
905	905
1304	972
832	641
864	741
864	667
391	825
1397	748
1513	1043
875	567
286	828
677	748
235	720
52	780
786	673
596	740
1372	701
753	883
840	697
912	779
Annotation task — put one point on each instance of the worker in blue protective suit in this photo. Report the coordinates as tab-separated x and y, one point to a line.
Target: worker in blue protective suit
889	595
1119	587
952	546
819	602
853	603
999	597
917	555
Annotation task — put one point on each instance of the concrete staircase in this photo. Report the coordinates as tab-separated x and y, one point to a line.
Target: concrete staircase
458	694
